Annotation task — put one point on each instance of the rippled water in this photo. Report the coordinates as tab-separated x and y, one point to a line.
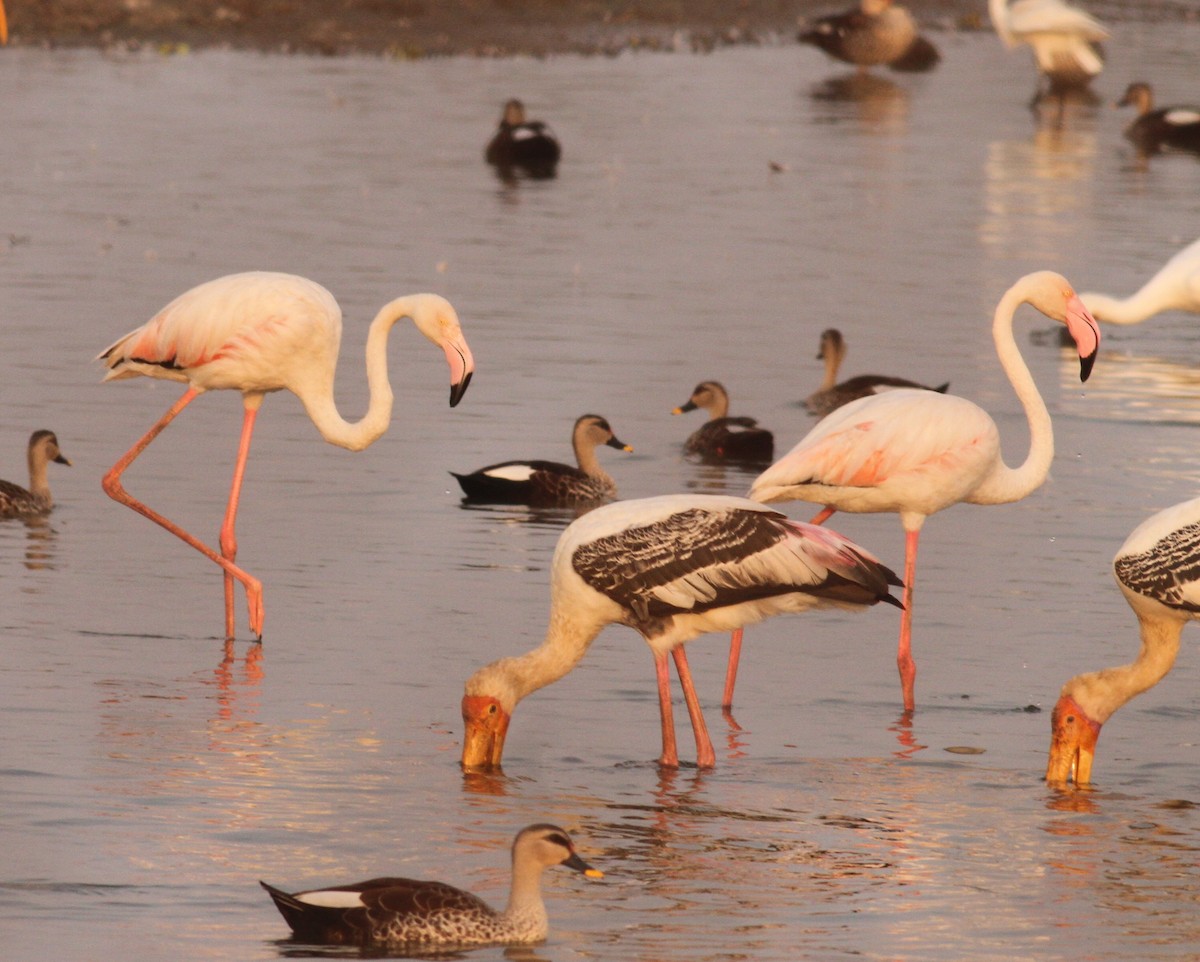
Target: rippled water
148	781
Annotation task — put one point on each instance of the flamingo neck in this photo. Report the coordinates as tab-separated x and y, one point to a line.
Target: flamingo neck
1100	693
320	403
1151	299
1007	484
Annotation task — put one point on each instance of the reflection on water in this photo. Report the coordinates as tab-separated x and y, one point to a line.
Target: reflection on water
876	102
150	779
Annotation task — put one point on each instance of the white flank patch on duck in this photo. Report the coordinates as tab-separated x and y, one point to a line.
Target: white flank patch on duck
511	472
332	899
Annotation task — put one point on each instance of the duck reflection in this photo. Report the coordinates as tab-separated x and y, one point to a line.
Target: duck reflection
875	101
41	546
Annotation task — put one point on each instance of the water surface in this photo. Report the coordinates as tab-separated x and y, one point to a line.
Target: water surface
149	780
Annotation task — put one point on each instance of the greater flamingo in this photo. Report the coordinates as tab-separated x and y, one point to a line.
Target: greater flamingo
261	332
1176	287
16	501
550	483
1158	571
917	452
1065	39
874	33
722	438
404	911
831	395
672	568
1177	127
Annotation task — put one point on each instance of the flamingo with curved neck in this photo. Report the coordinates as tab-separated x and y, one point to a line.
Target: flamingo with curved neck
256	333
1175	287
916	452
1157	571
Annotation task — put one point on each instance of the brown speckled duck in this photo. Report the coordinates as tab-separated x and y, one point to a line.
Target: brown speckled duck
550	483
401	911
723	438
15	501
875	33
831	395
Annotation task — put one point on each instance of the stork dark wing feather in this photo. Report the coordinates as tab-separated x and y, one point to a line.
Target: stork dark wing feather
1166	570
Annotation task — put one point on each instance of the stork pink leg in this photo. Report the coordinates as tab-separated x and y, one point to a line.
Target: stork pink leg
670	752
706	757
228	533
904	658
114	489
735	639
735	654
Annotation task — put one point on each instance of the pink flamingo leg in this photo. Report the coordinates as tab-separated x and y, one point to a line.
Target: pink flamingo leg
735	639
706	757
735	653
114	489
904	658
228	534
670	753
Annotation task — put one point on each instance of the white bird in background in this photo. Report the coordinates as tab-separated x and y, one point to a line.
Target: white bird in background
1158	570
671	568
1064	39
263	332
917	452
1176	287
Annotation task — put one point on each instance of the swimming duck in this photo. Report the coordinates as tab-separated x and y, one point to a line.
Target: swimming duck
15	501
549	483
526	144
832	395
1152	130
876	33
407	911
724	438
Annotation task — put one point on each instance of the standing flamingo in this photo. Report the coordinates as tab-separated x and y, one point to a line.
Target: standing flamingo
1158	570
917	452
1176	287
671	568
261	332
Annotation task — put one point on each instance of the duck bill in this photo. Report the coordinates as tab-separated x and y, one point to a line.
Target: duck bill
485	727
462	366
684	408
619	445
62	458
1073	737
579	865
1085	332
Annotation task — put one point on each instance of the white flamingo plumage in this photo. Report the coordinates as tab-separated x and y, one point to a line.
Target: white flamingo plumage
1064	38
917	452
1158	571
672	568
256	333
1176	287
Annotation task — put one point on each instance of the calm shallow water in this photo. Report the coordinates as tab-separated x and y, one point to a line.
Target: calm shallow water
148	781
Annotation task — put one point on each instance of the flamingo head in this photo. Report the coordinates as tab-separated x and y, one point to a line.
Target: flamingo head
438	321
486	724
1073	736
1053	295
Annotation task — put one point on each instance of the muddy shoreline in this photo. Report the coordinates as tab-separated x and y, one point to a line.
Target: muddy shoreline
496	28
